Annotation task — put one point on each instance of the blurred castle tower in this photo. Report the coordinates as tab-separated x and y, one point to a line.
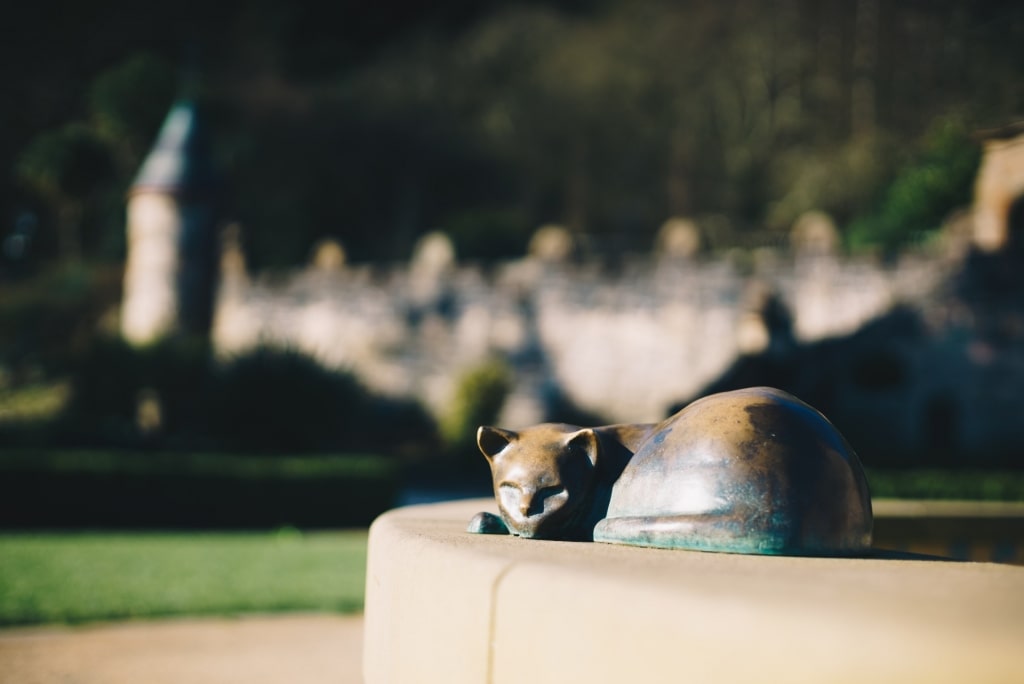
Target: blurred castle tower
172	215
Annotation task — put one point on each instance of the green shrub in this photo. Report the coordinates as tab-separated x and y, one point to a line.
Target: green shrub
922	196
111	379
479	398
49	319
279	400
272	400
174	395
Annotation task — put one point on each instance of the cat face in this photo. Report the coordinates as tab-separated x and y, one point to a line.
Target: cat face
543	477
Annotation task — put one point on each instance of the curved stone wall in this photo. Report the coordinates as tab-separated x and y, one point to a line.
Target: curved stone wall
446	606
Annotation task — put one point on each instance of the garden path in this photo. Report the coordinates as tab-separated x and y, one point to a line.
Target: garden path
305	648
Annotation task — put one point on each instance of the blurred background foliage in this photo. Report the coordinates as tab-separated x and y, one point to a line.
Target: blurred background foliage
375	122
480	394
938	178
175	396
168	436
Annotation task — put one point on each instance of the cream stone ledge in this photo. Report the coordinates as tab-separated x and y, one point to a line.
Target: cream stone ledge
446	606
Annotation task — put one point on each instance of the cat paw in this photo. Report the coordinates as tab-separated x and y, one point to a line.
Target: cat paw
487	523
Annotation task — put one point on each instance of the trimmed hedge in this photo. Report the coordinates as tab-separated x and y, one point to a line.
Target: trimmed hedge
119	489
968	485
82	489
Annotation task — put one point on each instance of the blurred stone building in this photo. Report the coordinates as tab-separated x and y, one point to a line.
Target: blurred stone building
922	355
172	224
999	192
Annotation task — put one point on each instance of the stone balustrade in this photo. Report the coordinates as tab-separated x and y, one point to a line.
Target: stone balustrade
669	326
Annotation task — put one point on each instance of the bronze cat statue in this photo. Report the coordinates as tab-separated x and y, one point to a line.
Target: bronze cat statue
750	471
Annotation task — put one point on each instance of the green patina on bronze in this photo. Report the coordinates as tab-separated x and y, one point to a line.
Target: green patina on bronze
751	471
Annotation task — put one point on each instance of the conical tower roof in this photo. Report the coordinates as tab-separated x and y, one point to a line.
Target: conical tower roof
180	162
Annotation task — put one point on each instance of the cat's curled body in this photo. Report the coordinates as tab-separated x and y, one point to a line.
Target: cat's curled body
749	471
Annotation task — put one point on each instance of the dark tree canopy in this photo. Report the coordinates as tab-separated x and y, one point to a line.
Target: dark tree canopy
374	122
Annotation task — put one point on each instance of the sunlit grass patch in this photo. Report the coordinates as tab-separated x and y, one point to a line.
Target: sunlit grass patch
38	402
76	577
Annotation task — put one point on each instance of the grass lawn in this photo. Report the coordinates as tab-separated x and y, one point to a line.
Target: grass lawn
936	483
77	577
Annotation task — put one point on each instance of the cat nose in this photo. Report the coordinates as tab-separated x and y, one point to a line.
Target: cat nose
526	503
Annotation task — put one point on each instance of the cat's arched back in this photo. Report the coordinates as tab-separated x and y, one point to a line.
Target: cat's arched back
755	471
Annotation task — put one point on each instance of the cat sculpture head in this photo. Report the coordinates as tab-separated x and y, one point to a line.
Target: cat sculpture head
543	478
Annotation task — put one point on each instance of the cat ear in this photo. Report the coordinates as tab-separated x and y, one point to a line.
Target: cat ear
492	440
585	442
